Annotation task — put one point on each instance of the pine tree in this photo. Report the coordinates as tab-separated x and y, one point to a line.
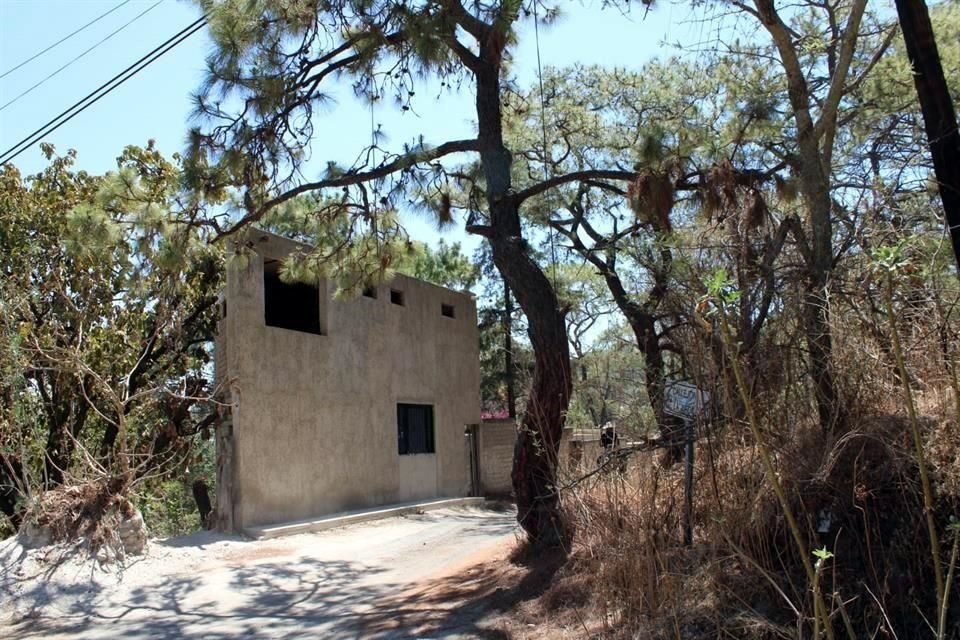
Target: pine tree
274	59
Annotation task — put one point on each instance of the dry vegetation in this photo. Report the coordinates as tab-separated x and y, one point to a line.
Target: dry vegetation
857	494
94	514
742	576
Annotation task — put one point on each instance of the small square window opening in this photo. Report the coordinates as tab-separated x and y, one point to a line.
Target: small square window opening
370	292
396	297
448	311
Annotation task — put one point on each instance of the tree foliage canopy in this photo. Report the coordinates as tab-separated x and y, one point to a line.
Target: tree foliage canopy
108	310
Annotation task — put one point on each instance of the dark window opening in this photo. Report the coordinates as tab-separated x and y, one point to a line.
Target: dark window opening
290	305
370	292
415	428
447	310
396	297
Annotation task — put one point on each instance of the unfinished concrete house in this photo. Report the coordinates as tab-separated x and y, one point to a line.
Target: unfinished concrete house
332	405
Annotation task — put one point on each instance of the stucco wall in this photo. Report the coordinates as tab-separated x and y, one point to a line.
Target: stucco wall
315	416
496	456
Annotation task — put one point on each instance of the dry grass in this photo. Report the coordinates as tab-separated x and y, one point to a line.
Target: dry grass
629	575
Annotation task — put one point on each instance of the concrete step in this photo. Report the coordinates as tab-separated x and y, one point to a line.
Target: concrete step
341	519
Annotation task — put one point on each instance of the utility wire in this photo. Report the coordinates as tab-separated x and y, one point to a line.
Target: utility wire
110	35
101	91
63	39
543	127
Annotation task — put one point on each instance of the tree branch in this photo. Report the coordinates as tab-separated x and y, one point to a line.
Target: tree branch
796	230
576	176
826	125
353	178
464	54
469	22
766	268
796	81
877	56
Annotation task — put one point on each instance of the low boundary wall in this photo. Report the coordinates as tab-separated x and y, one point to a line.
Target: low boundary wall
497	438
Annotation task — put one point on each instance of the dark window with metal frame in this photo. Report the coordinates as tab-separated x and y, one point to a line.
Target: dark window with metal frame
415	429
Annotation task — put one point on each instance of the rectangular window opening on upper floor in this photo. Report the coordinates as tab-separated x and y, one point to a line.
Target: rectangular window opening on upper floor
448	311
290	305
370	292
396	297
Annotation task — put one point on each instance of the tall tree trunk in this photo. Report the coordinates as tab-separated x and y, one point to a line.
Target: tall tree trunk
643	325
939	116
831	414
815	184
508	374
815	150
671	428
642	322
538	442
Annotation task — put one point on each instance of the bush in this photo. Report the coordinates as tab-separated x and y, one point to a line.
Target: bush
167	503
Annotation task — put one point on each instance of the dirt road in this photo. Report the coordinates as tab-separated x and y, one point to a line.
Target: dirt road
342	583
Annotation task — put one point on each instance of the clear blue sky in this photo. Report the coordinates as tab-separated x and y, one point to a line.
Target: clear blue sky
156	103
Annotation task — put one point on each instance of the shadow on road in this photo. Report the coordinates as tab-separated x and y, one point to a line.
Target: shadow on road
462	604
270	599
263	595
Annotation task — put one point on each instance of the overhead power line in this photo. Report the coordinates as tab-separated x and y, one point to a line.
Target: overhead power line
110	35
62	40
101	91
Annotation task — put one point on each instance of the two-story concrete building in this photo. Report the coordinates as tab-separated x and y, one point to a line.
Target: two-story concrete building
339	404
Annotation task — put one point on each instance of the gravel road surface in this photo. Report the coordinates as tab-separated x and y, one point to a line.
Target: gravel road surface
342	583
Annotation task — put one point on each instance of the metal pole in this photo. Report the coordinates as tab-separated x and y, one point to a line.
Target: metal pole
688	487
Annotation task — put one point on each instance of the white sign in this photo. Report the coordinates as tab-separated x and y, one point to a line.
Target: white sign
684	400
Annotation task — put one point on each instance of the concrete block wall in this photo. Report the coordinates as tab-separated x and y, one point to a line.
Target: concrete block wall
314	417
578	454
496	456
